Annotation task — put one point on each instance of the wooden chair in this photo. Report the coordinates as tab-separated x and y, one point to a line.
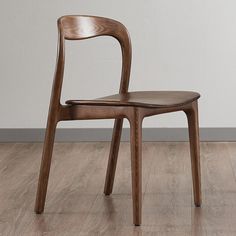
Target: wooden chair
133	106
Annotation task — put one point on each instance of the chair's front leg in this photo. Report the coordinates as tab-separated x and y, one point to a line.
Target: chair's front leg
114	150
136	164
45	166
192	115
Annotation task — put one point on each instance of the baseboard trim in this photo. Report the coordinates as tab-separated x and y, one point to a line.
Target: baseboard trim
104	134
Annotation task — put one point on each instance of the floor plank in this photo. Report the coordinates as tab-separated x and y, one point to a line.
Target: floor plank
76	205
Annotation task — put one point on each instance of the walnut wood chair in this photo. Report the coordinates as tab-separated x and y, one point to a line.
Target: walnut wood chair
134	106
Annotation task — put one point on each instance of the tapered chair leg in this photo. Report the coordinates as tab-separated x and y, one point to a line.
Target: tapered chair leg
192	116
114	150
136	166
45	167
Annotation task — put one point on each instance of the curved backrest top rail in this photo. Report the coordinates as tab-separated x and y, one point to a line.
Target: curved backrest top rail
77	27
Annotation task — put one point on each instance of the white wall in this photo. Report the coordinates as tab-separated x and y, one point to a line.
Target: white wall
183	45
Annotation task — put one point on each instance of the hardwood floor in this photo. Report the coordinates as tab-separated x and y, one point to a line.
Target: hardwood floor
76	204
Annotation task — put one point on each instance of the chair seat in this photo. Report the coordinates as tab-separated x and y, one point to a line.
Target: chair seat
143	99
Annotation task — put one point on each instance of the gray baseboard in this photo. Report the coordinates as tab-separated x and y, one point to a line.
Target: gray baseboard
104	134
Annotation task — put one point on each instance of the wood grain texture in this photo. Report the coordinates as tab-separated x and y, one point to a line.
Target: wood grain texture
143	99
134	106
76	204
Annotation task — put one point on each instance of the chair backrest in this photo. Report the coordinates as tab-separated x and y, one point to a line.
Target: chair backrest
75	27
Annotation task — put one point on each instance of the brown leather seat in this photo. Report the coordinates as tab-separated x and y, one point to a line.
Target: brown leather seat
143	99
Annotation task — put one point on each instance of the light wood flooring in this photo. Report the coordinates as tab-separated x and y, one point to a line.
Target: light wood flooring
76	205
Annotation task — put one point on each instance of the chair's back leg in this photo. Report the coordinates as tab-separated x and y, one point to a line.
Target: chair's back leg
136	165
114	150
192	115
45	166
